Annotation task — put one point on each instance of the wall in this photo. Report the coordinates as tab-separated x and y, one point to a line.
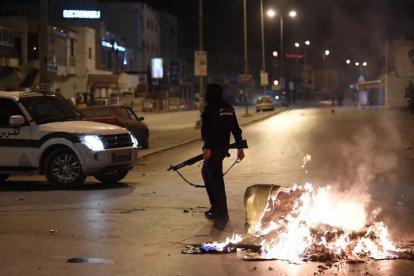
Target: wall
395	90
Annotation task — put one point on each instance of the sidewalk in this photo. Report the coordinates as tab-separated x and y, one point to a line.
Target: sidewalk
165	135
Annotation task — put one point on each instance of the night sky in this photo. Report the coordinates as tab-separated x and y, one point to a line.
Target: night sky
349	28
355	29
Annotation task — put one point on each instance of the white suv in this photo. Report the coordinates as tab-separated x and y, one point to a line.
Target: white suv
42	134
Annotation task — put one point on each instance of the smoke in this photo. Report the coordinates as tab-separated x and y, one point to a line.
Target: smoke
370	157
371	164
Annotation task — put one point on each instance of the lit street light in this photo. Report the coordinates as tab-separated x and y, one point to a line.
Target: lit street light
263	74
304	71
307	43
246	64
325	84
272	13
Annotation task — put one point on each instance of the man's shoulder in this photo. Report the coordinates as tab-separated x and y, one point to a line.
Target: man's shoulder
227	110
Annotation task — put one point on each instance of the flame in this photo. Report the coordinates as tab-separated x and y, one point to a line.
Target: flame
304	223
222	246
320	223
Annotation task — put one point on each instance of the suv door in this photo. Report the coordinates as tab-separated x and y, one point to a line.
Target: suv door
15	143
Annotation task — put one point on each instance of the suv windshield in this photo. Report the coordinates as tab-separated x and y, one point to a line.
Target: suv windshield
46	109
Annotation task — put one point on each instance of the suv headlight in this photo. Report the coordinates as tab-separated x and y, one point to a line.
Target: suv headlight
134	140
93	142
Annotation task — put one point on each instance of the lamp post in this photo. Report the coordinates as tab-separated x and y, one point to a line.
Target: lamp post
264	81
246	64
272	13
200	78
325	65
303	72
305	60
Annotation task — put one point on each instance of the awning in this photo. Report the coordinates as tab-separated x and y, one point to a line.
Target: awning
367	85
104	81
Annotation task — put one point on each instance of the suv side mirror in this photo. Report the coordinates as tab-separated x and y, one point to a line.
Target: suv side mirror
16	120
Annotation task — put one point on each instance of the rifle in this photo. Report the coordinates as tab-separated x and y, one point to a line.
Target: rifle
237	145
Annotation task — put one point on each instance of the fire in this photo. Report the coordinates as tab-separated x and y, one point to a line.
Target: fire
304	223
320	224
226	246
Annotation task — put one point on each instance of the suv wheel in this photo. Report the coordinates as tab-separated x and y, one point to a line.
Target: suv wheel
62	168
3	177
111	175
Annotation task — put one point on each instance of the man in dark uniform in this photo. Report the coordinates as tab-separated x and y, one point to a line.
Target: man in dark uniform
218	121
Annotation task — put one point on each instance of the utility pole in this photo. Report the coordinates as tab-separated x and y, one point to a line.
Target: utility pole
200	77
263	46
201	46
246	63
43	37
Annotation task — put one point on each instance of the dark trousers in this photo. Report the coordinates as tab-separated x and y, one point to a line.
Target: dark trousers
212	172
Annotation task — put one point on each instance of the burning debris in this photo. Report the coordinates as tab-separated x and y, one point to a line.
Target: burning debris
303	224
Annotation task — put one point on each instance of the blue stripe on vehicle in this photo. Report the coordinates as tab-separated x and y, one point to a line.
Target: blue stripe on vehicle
31	143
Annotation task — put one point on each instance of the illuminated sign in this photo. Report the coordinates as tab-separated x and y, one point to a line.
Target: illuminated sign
83	14
294	56
114	46
156	68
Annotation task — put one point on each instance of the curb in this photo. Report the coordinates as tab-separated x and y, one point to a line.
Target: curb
246	123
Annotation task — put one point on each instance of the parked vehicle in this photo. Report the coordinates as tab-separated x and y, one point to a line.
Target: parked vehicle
119	115
264	103
41	134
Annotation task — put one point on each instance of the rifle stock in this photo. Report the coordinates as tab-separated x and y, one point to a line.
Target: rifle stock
241	144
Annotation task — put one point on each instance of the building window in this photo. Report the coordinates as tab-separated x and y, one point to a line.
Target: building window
90	53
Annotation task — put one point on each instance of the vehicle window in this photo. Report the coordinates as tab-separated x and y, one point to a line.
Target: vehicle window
131	114
123	114
7	109
45	109
264	100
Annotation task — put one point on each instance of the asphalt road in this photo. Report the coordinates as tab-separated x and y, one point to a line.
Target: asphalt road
140	226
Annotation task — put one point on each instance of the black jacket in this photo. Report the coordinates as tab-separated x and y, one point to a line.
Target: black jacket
218	121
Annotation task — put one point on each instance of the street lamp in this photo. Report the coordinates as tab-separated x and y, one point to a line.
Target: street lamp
246	64
272	13
297	45
304	72
325	62
307	43
263	79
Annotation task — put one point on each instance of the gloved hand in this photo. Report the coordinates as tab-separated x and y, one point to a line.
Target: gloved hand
206	154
